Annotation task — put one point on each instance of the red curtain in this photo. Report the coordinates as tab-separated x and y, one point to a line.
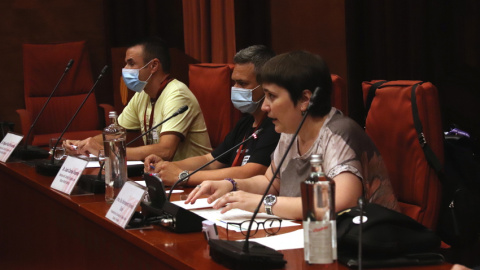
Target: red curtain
209	30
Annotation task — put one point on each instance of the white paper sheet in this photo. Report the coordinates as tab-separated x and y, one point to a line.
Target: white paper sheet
236	216
200	203
291	240
95	164
166	191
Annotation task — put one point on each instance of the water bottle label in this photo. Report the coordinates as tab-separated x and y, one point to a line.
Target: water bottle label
319	242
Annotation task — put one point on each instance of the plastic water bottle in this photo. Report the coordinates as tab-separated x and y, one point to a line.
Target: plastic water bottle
319	226
114	138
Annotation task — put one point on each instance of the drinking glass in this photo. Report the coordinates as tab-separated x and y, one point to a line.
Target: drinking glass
101	161
59	150
101	158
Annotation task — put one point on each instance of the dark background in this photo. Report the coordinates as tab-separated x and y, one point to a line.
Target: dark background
437	41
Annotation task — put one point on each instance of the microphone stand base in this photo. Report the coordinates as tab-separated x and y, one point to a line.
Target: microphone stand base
47	168
31	152
92	184
231	255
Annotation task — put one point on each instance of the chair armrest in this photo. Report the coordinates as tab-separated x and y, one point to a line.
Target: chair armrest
25	123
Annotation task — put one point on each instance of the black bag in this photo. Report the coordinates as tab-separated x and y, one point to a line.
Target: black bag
459	221
389	238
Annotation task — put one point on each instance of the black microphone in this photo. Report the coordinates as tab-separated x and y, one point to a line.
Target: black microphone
30	151
172	216
51	168
361	205
247	255
253	136
180	111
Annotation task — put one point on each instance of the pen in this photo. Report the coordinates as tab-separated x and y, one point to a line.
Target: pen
152	167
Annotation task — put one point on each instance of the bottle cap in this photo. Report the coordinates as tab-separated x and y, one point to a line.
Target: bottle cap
316	158
112	114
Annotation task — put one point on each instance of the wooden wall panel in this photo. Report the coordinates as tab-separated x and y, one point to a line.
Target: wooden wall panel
35	21
317	26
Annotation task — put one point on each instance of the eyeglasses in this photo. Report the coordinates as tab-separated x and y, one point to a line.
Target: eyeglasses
271	226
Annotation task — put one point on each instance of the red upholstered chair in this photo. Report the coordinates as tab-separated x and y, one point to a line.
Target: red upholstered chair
339	94
211	84
390	125
43	64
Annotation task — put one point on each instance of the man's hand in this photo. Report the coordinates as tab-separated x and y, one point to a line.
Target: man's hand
70	146
150	163
168	172
85	147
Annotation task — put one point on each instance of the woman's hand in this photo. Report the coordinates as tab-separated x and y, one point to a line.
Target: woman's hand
214	188
238	199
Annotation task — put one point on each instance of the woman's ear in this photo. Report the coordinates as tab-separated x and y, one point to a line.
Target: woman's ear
305	99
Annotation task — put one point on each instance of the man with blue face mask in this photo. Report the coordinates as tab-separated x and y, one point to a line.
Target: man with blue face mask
251	159
157	97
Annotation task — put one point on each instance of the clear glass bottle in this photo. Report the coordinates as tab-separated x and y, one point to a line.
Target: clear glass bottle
318	202
114	137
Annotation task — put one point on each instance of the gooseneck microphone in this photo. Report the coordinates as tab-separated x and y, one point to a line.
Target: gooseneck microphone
253	136
361	205
255	255
32	152
51	168
180	111
172	216
138	169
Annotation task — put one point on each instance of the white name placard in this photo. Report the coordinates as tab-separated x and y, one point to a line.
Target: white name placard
125	204
69	174
8	144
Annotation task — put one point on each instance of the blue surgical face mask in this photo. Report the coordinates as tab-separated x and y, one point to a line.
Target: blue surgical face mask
242	99
130	77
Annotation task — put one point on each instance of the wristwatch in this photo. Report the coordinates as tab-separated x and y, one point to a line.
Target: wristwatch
269	201
182	175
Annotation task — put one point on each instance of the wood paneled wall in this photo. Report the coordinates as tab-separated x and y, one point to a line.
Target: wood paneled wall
36	21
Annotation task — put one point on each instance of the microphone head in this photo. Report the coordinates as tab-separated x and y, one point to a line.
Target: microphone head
361	202
255	134
104	69
182	109
313	98
69	65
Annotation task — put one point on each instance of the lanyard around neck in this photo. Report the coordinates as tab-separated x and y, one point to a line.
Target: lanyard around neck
241	152
152	102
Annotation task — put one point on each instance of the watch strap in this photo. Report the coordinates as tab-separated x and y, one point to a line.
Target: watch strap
268	209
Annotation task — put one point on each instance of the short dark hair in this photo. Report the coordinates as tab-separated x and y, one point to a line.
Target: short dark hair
258	55
297	71
155	47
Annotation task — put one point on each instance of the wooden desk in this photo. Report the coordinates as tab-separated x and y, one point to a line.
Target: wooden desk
44	229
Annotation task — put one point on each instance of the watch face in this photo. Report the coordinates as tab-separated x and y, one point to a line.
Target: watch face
270	199
183	174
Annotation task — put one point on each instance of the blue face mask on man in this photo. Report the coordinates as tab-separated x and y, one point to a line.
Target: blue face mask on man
242	99
130	77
